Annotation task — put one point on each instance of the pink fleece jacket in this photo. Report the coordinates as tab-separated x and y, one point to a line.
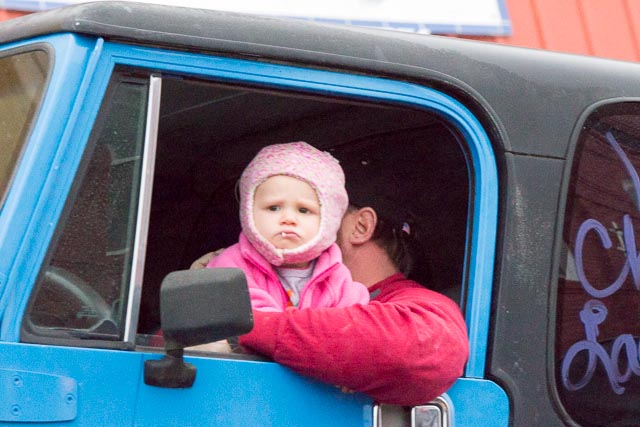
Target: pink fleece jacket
331	284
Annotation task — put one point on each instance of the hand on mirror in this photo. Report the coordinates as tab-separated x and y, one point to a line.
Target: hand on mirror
221	346
204	259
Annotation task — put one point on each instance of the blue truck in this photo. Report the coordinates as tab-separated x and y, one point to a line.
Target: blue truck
124	127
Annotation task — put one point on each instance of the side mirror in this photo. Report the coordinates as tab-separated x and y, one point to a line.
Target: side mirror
197	307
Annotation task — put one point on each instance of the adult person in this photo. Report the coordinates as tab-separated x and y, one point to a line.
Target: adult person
406	347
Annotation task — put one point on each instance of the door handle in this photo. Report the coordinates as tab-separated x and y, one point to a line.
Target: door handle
437	413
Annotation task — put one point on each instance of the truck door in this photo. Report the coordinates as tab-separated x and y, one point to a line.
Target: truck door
140	181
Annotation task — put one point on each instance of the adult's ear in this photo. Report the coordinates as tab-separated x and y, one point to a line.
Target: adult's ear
366	220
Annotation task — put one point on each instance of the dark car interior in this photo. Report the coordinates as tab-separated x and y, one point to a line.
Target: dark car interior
209	132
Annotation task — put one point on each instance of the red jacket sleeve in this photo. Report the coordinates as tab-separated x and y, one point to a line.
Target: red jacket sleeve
406	347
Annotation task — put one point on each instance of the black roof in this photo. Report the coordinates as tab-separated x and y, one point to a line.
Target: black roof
498	81
193	29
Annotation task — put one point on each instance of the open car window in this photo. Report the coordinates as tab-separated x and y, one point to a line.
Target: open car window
207	133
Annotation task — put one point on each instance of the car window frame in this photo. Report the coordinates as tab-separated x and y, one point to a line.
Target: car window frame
483	204
483	168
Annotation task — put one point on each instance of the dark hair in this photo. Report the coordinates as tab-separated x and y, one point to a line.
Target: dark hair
399	241
396	243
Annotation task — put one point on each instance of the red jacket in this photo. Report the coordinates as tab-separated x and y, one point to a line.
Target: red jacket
406	347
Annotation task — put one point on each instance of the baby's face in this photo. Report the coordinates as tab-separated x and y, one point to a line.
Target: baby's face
286	211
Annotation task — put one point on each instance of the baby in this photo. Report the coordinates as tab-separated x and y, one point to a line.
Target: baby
292	200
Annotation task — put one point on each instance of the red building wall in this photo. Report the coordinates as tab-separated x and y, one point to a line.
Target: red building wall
607	28
8	14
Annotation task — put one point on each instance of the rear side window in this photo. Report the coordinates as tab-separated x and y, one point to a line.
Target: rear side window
22	81
598	325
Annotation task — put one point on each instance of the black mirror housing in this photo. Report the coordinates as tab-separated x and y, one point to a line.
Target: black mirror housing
203	306
197	307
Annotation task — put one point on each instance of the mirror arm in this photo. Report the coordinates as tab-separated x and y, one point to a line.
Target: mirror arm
170	372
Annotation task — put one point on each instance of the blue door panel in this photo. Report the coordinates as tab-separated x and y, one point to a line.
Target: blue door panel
248	393
108	384
479	403
107	381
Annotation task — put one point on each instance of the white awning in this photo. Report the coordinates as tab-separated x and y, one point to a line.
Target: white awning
469	17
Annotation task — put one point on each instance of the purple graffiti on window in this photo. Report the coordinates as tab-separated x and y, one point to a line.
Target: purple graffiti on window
594	312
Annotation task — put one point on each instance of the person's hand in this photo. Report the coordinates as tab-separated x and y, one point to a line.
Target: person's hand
221	346
204	259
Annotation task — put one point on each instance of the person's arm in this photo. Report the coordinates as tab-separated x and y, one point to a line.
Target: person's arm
205	259
406	351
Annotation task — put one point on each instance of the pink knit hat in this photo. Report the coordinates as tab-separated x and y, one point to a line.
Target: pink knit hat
302	161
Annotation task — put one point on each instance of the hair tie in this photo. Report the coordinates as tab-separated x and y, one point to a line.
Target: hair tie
406	228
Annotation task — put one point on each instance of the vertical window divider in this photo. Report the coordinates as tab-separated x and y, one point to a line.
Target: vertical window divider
144	208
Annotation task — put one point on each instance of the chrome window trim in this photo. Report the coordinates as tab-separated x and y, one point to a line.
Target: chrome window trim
144	209
396	415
